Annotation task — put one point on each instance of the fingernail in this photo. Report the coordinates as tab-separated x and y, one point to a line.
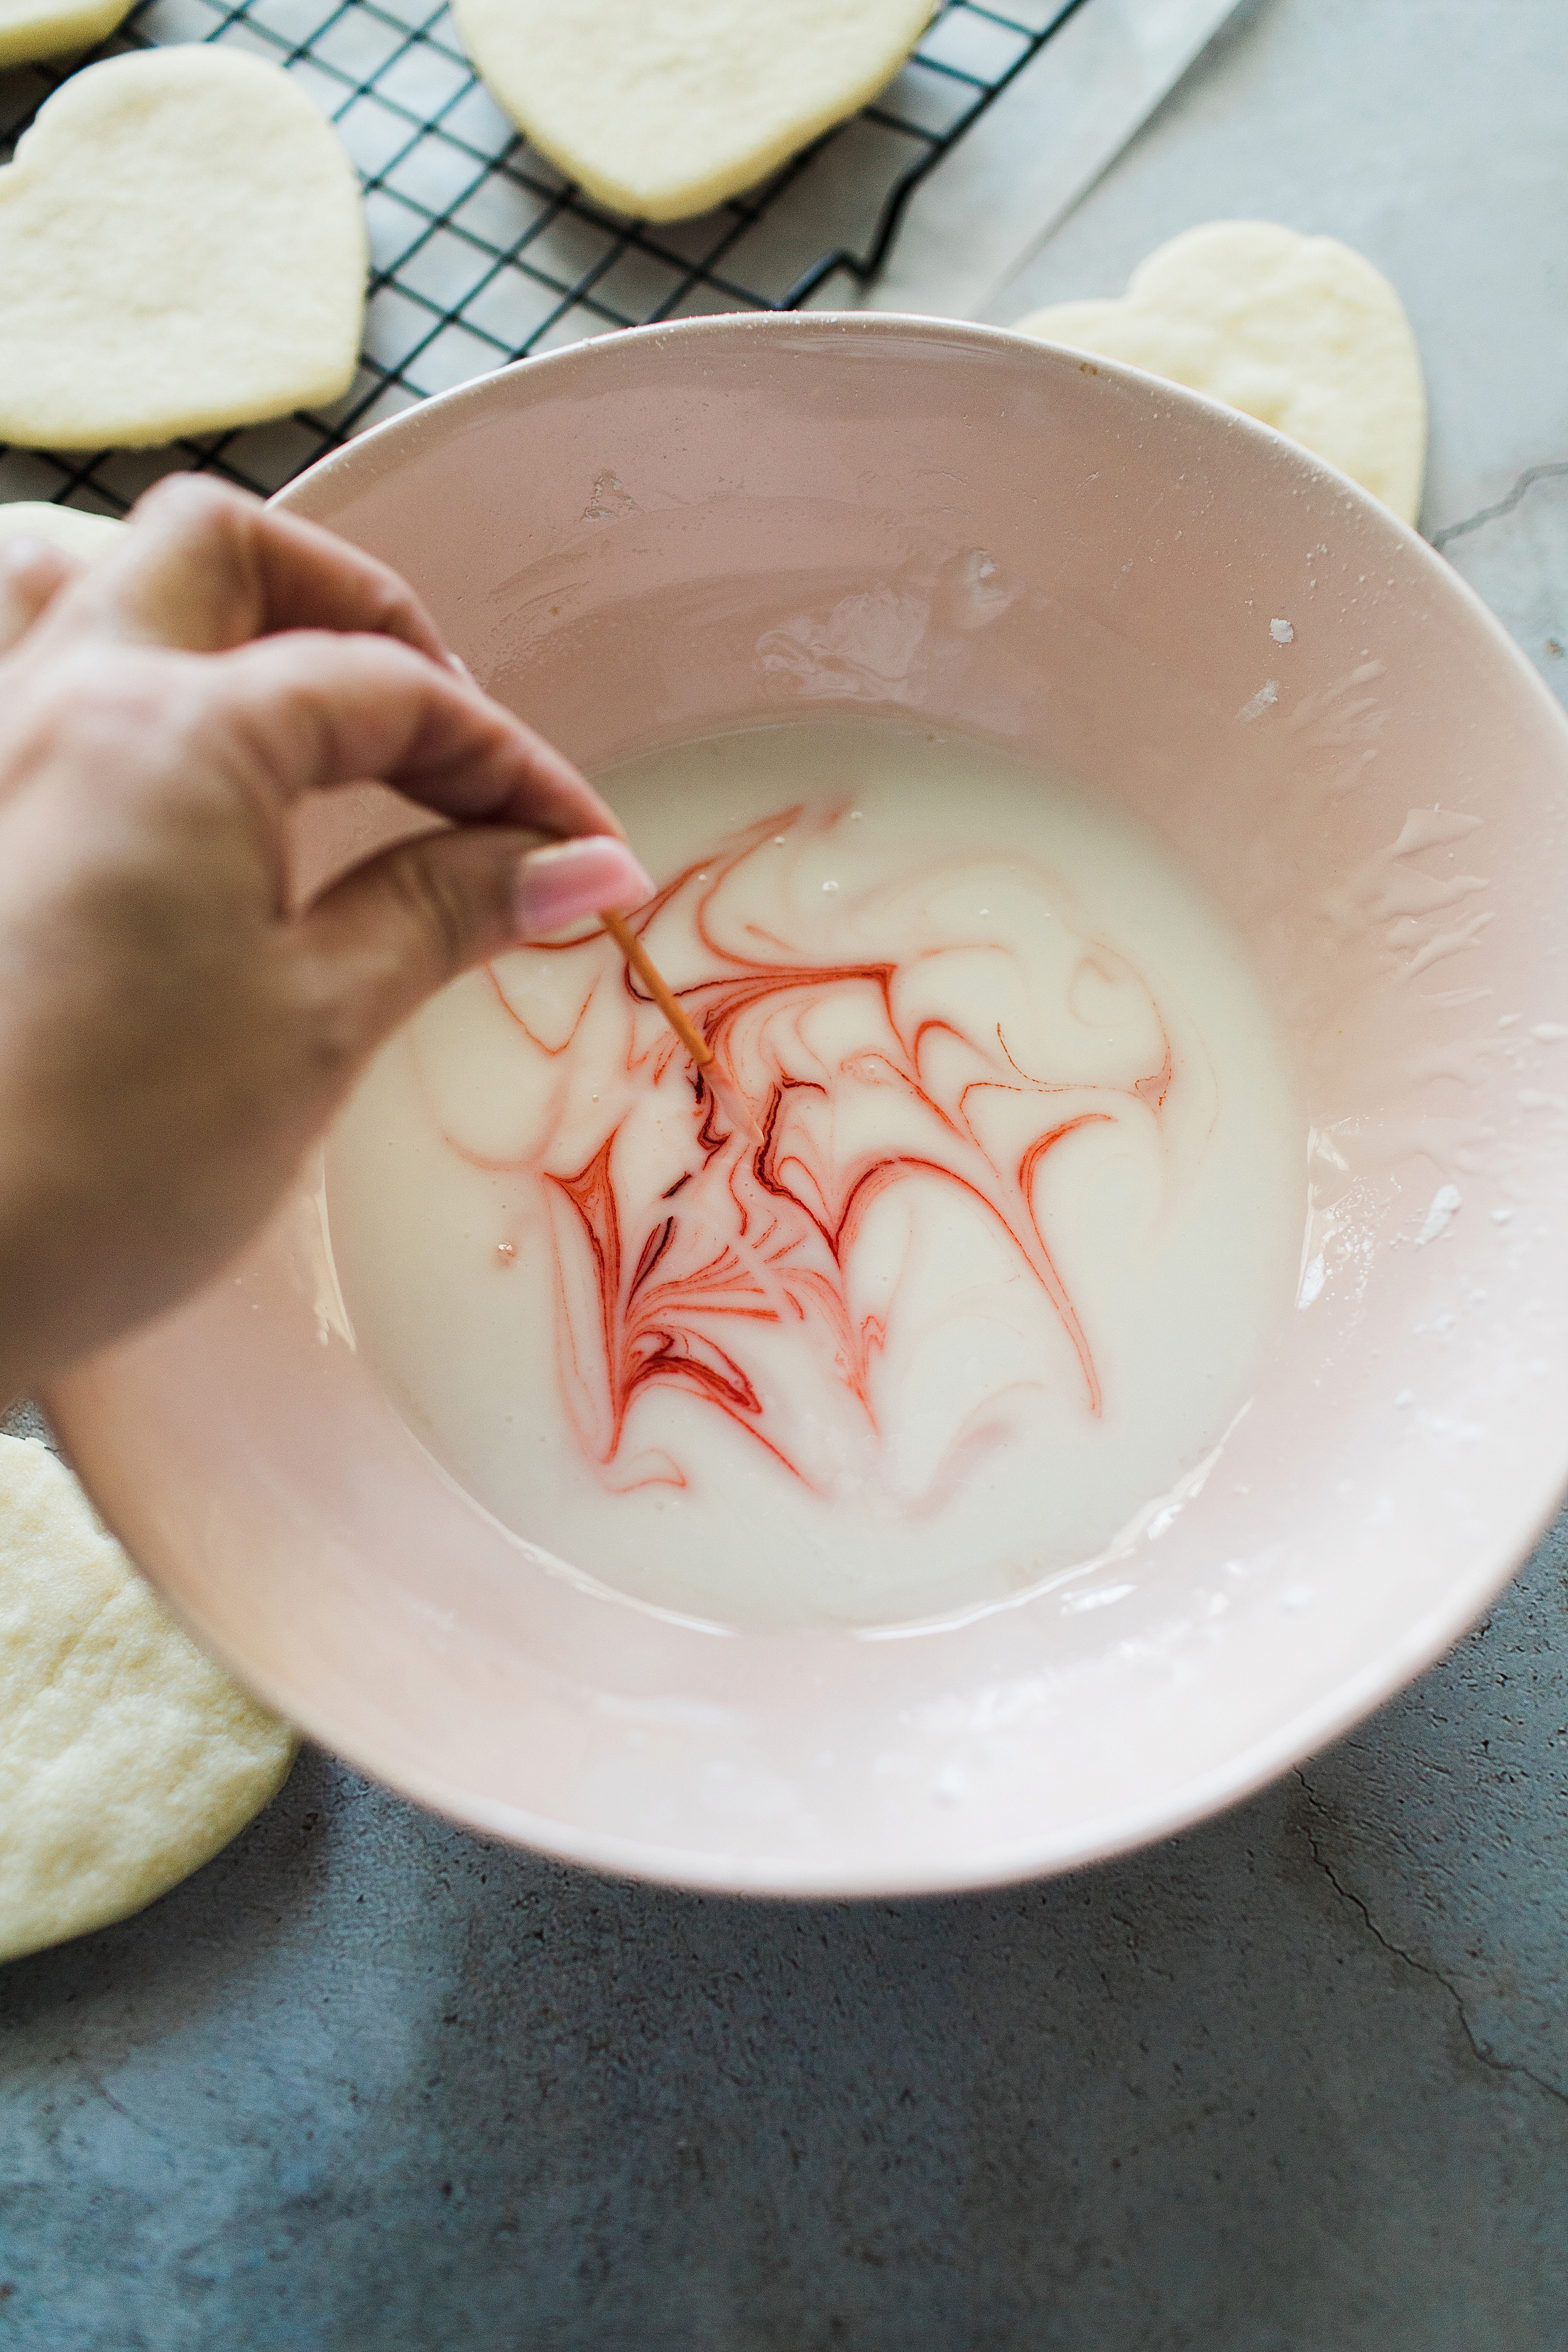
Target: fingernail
455	661
21	549
571	880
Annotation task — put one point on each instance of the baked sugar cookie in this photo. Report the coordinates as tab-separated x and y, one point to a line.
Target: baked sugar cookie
1299	331
662	108
127	1759
47	28
182	248
85	535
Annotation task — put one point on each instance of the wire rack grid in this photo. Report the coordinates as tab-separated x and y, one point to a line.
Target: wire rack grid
483	252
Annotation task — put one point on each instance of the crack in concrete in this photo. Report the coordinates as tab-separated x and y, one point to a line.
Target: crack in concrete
1483	2055
96	2083
1521	490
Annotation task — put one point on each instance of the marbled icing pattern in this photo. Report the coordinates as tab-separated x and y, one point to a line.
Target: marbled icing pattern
1027	1199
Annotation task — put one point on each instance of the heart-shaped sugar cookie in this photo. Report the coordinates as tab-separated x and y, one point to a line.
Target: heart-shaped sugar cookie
127	1759
1299	331
47	28
662	108
85	535
182	248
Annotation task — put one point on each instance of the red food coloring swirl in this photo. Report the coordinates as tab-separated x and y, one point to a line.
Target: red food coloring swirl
687	1278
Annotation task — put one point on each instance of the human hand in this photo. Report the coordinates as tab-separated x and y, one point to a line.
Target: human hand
172	1034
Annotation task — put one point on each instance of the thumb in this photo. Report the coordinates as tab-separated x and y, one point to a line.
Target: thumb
398	929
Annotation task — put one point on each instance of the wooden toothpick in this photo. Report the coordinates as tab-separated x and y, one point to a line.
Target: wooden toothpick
728	1097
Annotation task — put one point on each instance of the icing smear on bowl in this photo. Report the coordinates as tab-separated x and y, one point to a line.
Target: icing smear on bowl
1027	1204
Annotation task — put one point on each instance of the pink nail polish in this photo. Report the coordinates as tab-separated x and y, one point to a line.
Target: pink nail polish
572	879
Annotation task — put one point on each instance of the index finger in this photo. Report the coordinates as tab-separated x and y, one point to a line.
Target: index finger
205	567
308	711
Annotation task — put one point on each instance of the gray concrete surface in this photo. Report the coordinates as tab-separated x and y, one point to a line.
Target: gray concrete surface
1296	2083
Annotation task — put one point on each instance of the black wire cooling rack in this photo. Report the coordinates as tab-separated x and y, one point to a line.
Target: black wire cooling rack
480	252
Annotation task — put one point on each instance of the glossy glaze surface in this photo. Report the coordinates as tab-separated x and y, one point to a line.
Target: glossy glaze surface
1026	1205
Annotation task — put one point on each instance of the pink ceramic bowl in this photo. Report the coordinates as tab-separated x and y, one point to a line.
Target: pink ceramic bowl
605	535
